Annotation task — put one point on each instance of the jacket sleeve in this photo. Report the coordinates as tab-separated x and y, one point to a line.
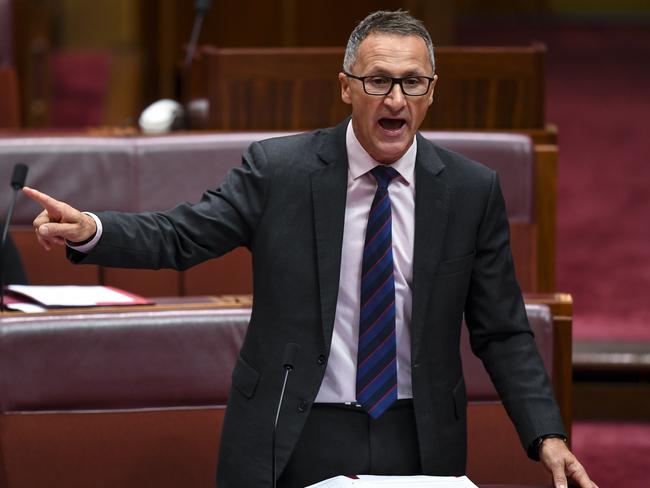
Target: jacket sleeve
188	234
499	330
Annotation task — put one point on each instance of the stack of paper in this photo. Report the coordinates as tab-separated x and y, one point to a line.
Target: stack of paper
368	481
39	298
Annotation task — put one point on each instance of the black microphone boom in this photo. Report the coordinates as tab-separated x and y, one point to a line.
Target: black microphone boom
288	361
201	9
17	182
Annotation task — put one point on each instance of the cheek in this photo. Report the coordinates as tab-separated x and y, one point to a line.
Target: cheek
365	111
420	110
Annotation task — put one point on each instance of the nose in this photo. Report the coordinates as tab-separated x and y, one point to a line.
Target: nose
395	99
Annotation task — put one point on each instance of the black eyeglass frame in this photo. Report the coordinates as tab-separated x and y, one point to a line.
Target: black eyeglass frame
394	81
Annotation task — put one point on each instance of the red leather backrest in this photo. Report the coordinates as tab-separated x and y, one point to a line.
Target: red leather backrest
512	156
92	173
155	173
156	359
116	361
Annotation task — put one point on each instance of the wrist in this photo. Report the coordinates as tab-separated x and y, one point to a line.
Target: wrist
536	446
88	244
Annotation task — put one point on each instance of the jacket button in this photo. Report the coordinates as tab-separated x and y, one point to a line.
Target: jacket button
321	359
302	406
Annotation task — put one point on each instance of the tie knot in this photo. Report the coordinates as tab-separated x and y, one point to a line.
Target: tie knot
383	174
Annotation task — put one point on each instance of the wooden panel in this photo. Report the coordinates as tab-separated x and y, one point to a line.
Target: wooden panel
124	95
297	88
524	246
9	98
610	400
494	452
490	88
272	89
291	23
279	23
97	24
546	176
33	33
228	275
6	32
145	282
50	267
562	380
165	448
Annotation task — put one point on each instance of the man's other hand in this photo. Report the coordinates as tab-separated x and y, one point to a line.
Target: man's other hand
59	222
557	458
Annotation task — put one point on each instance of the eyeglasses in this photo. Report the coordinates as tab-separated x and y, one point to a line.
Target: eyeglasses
413	86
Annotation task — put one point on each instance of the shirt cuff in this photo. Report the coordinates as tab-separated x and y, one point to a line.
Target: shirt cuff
86	247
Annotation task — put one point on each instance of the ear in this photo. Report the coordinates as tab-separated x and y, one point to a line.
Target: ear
432	89
346	96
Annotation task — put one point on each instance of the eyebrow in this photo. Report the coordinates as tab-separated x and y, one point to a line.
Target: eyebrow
383	72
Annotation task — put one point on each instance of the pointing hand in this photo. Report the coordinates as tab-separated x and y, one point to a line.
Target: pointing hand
59	222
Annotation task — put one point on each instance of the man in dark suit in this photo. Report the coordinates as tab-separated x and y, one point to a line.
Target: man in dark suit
369	245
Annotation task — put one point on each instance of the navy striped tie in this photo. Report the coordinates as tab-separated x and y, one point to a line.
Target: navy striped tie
377	355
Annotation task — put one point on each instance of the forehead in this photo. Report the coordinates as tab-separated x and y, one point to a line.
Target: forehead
392	54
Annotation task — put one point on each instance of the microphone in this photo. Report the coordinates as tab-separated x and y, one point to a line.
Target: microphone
201	7
288	360
18	178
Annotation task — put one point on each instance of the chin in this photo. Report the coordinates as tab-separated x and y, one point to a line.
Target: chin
390	154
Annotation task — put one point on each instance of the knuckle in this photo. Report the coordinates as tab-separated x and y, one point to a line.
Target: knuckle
578	469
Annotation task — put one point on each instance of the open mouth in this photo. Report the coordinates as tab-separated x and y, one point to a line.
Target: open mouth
391	124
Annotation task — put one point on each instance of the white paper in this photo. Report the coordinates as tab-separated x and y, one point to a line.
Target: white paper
366	481
25	307
75	296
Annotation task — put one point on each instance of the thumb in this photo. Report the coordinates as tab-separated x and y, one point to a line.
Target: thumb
54	229
76	232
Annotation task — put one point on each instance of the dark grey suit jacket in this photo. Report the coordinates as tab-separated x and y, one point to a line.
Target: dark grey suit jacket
286	203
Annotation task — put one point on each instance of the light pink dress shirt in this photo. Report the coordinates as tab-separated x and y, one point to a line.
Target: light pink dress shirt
339	384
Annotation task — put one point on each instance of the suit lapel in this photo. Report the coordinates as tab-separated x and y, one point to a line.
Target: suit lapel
431	213
329	192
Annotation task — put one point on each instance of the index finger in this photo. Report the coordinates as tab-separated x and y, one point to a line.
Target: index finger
47	202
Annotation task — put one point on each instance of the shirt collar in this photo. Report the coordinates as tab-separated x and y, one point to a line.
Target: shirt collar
360	162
